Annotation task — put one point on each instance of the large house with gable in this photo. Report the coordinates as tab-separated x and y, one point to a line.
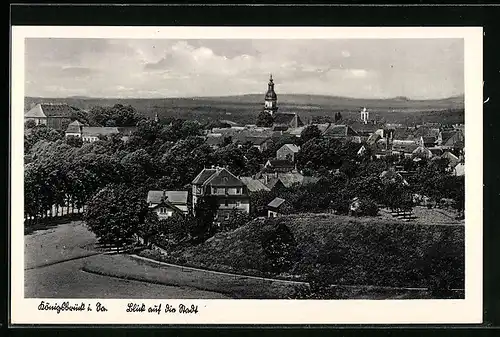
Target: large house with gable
230	192
53	115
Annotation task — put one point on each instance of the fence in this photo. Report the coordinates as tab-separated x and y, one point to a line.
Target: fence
56	214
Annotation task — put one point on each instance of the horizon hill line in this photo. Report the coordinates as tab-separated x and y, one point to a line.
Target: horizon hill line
397	98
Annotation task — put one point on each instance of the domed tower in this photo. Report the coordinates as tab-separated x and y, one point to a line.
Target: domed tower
271	99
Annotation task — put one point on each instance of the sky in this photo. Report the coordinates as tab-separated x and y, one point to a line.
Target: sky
140	68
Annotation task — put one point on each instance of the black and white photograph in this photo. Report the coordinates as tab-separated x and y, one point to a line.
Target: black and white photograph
200	167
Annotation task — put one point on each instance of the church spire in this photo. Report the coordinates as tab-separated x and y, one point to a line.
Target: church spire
271	99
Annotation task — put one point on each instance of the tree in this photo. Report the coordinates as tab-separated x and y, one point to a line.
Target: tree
116	213
264	119
190	129
117	115
236	219
176	227
366	186
253	159
279	246
40	132
205	212
368	207
320	153
457	193
32	191
259	201
148	130
74	141
138	166
183	161
232	157
29	124
150	227
124	115
310	132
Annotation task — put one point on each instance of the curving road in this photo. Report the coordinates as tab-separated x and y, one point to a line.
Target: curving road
54	258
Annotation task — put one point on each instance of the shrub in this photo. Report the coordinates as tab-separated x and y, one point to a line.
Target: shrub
340	203
368	207
236	220
279	247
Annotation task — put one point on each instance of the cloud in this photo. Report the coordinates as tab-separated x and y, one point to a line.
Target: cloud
152	68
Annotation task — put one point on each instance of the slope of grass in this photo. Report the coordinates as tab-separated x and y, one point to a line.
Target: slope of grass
343	250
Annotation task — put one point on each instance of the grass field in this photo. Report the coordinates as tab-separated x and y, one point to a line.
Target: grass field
54	259
362	251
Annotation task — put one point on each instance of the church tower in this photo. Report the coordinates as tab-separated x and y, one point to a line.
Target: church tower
271	99
365	116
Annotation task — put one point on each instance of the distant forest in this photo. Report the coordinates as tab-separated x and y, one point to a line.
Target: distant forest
244	109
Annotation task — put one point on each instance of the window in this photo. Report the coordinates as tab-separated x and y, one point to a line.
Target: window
225	202
227	216
238	190
238	203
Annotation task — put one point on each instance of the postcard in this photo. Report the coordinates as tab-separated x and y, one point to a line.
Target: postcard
246	175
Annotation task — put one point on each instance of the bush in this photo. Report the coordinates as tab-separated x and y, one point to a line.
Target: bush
279	248
236	220
368	207
29	124
340	203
